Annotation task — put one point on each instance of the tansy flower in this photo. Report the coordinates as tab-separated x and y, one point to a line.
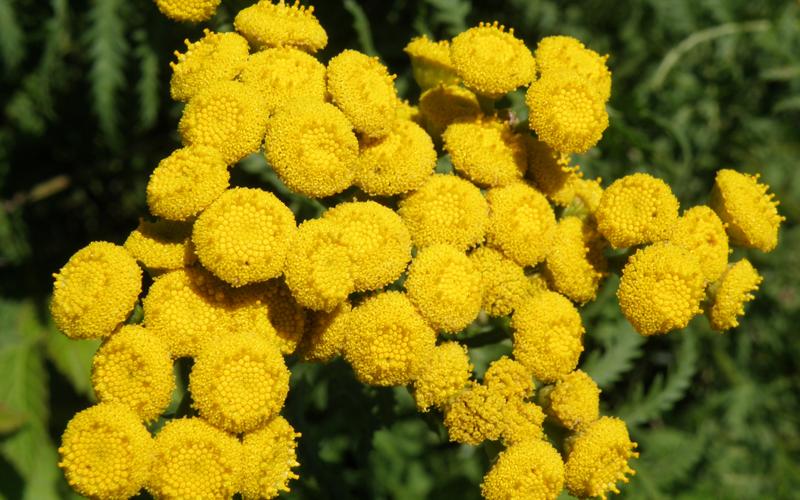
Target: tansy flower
445	104
574	400
522	421
266	24
750	212
161	246
408	112
195	460
729	295
551	172
326	335
133	367
475	416
636	209
661	288
597	458
430	62
95	291
106	452
531	469
589	192
567	56
216	57
503	282
443	375
192	11
491	60
509	377
445	287
700	231
239	381
268	457
575	263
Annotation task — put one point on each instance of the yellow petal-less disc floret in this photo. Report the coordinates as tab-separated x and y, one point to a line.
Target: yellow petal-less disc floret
568	56
700	231
95	291
491	60
445	104
430	62
268	457
504	285
133	367
532	470
106	452
217	57
509	377
193	11
522	421
572	266
326	335
661	288
161	246
267	24
475	415
729	295
551	172
574	401
443	375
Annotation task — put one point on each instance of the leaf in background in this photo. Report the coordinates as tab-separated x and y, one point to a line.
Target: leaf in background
12	44
362	27
659	449
622	348
72	358
148	84
451	13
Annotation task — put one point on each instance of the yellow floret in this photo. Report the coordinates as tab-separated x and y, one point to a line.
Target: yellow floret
521	223
661	288
388	341
445	104
192	11
446	209
475	415
575	263
239	381
266	24
161	246
568	56
589	192
445	287
364	90
216	57
408	112
574	401
730	294
195	460
95	291
702	233
522	421
106	452
503	282
597	458
551	172
491	60
509	377
430	62
326	335
443	375
532	470
750	212
636	209
268	457
133	367
228	116
312	148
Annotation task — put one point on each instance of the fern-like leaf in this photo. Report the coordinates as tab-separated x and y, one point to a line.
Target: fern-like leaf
623	346
12	42
451	13
147	86
362	26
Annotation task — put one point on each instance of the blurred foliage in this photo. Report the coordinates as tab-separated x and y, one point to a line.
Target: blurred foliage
698	85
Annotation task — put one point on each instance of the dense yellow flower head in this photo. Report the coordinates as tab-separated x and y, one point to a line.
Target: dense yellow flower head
700	231
509	377
443	375
106	452
192	11
312	148
564	55
661	288
589	192
551	172
446	209
430	62
445	104
266	24
572	266
574	401
326	335
475	415
521	223
133	367
388	341
161	246
503	282
195	460
597	458
750	212
636	209
491	60
522	421
95	291
532	470
217	57
268	457
729	295
408	112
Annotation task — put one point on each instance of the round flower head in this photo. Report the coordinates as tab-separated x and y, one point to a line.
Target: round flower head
244	236
446	209
195	460
566	114
636	209
186	182
95	291
702	233
430	62
217	57
503	282
106	452
661	288
751	214
567	56
442	376
193	11
266	24
597	458
228	116
387	341
475	415
551	172
400	162
589	192
312	148
486	151
575	263
270	309
408	112
521	223
326	335
730	294
445	104
509	377
491	60
161	246
531	469
363	89
574	401
133	367
522	421
268	457
239	381
548	335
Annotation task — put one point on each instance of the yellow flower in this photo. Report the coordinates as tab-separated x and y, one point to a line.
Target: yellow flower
636	209
364	90
446	209
730	294
564	55
589	192
598	457
503	282
445	287
551	172
239	381
509	377
106	452
475	415
195	460
574	400
532	470
95	291
268	457
486	151
326	335
521	223
750	212
491	60
192	11
575	263
312	148
133	367
430	62
522	421
442	376
266	24
408	112
661	288
387	341
161	246
217	57
702	233
445	104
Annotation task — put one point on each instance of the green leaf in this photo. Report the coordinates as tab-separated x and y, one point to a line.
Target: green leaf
622	348
12	44
148	85
362	26
659	449
451	13
73	359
